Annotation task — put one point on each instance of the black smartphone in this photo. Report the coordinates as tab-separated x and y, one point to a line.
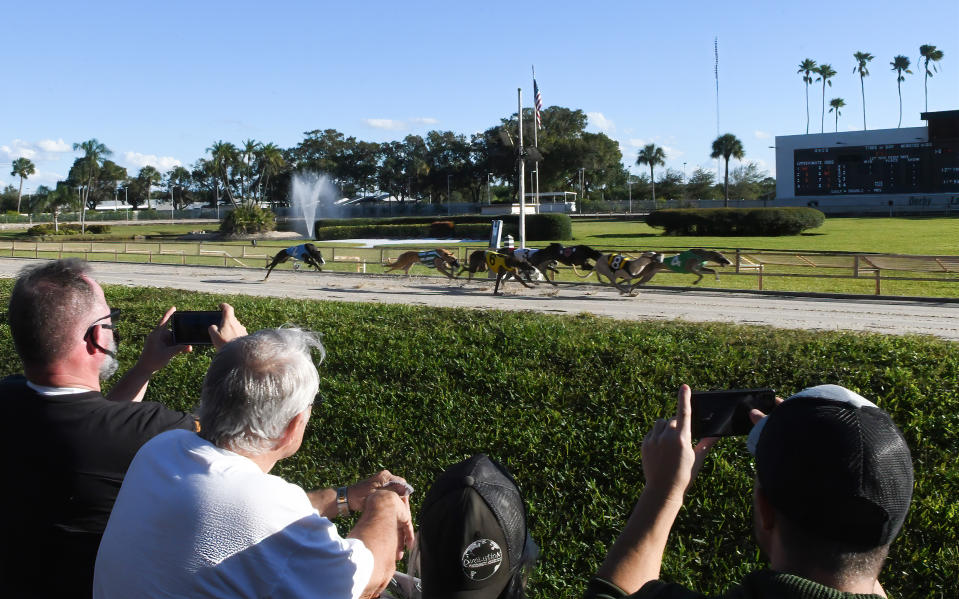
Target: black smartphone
192	327
726	413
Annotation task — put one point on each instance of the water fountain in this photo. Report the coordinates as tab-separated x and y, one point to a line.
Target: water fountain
311	194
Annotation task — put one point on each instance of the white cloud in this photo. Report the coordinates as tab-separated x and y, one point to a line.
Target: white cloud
18	148
672	153
389	124
636	142
161	163
397	125
49	145
762	134
46	149
599	120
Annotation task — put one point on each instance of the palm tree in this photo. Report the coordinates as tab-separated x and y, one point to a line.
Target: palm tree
836	104
23	168
93	154
652	155
931	54
247	155
727	145
806	69
900	64
825	72
862	58
224	156
270	162
149	175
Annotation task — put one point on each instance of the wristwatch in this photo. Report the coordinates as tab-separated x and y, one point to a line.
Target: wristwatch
342	503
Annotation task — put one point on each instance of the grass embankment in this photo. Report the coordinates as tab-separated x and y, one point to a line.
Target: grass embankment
565	403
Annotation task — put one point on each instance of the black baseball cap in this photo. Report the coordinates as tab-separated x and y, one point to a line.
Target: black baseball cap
833	462
473	541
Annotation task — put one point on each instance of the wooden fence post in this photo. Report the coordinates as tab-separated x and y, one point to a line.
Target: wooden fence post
878	286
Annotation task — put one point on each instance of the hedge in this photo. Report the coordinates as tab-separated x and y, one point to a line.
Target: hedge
539	227
66	229
736	221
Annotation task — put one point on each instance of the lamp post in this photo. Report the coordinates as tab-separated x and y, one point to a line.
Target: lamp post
629	185
448	178
489	183
582	181
684	180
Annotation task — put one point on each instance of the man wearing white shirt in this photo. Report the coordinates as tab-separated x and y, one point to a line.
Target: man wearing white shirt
200	515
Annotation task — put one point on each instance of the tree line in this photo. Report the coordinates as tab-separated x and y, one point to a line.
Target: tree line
929	56
440	166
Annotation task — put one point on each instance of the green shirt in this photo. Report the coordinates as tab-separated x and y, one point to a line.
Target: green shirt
761	584
678	262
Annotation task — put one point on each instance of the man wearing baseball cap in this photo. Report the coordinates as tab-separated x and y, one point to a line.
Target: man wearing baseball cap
473	540
832	488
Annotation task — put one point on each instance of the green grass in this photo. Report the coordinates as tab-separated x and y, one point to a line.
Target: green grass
937	236
565	401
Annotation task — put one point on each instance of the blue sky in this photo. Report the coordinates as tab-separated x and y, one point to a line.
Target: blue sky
158	83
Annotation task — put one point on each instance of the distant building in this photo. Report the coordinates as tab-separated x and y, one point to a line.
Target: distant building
911	170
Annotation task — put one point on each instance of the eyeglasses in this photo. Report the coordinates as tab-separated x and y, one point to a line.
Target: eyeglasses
88	336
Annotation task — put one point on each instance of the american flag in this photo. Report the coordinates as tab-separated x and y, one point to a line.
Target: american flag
538	104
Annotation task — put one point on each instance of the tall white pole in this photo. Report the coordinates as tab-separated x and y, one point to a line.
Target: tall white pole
522	172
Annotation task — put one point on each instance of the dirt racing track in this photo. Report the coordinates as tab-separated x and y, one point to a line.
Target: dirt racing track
880	315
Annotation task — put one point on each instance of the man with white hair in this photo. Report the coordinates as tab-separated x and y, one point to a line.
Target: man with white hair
67	446
200	515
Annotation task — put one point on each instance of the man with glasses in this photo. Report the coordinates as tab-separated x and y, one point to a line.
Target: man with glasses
67	446
199	515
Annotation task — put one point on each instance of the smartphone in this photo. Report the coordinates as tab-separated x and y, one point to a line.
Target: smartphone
726	413
192	327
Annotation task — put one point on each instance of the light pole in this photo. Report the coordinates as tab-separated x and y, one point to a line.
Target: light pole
629	185
489	183
582	181
448	178
684	180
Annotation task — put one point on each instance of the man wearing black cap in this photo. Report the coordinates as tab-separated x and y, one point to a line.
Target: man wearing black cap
832	488
473	541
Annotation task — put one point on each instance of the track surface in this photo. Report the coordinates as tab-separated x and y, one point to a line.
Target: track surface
876	316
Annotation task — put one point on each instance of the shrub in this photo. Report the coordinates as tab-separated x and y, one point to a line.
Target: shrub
736	221
441	228
539	227
547	227
47	229
248	219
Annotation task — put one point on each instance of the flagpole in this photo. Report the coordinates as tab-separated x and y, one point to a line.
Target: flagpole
522	171
536	134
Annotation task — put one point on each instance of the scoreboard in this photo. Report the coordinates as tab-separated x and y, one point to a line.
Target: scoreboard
880	169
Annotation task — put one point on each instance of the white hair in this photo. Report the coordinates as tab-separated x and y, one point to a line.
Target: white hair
256	385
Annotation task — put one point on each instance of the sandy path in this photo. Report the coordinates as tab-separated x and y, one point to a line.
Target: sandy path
879	316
